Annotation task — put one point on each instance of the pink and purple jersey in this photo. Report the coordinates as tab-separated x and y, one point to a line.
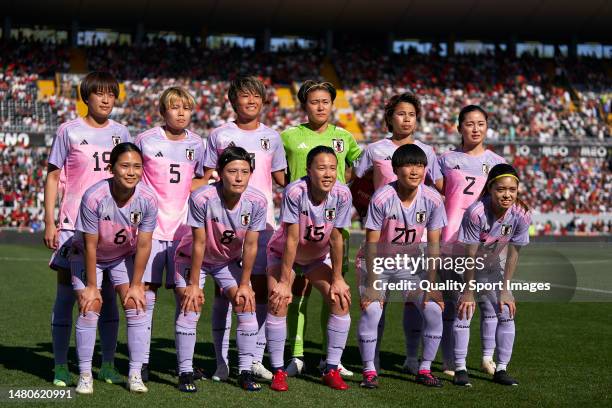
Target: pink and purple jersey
377	156
225	228
479	226
316	221
405	225
266	149
117	227
169	167
82	153
464	179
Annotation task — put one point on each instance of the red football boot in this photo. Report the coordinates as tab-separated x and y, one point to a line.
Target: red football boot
333	380
279	381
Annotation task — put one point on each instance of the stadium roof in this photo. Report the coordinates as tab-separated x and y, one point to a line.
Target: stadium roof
545	20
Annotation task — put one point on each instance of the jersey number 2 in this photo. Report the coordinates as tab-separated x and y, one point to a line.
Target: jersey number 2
471	181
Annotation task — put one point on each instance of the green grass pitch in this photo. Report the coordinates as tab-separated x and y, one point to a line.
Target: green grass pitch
562	354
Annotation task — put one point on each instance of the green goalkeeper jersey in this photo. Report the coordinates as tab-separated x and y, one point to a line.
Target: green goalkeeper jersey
299	140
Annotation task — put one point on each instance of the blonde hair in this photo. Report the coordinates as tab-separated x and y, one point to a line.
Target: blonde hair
173	93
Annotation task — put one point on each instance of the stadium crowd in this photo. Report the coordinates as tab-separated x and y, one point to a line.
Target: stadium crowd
525	97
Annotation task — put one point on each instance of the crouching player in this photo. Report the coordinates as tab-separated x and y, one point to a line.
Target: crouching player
495	226
114	231
397	216
226	218
314	211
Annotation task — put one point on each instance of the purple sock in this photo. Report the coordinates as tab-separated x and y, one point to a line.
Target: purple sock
448	340
432	334
150	298
185	337
413	325
86	339
380	330
488	327
137	334
61	322
276	334
261	311
108	324
461	334
337	334
221	327
246	340
367	334
505	337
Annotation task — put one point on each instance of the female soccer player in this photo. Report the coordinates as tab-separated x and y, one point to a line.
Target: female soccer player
247	95
317	101
173	158
226	218
498	222
465	171
314	210
80	154
113	236
398	214
402	113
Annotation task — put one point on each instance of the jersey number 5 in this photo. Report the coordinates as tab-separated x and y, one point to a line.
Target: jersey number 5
176	175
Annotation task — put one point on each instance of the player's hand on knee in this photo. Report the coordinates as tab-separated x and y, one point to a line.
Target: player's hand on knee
136	294
245	297
280	296
340	290
193	299
88	298
506	298
466	305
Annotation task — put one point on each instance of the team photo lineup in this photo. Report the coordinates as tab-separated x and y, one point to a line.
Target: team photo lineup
168	202
302	203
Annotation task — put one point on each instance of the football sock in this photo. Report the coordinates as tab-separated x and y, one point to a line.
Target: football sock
461	334
448	340
138	339
276	334
246	339
108	323
61	322
488	326
86	339
261	311
221	327
150	297
296	325
185	337
413	324
432	334
504	337
337	334
367	334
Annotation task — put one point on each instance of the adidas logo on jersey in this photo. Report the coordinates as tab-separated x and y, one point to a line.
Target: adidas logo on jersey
214	219
302	146
388	158
159	154
107	218
84	142
456	167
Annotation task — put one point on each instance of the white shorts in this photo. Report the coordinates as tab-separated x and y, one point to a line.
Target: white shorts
226	276
162	257
119	271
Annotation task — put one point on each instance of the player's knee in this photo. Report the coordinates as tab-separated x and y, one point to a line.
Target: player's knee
130	304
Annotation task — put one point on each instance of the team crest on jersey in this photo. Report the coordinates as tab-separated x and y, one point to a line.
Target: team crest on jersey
190	153
485	168
330	214
135	217
338	145
506	229
420	216
245	219
116	140
265	144
231	144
